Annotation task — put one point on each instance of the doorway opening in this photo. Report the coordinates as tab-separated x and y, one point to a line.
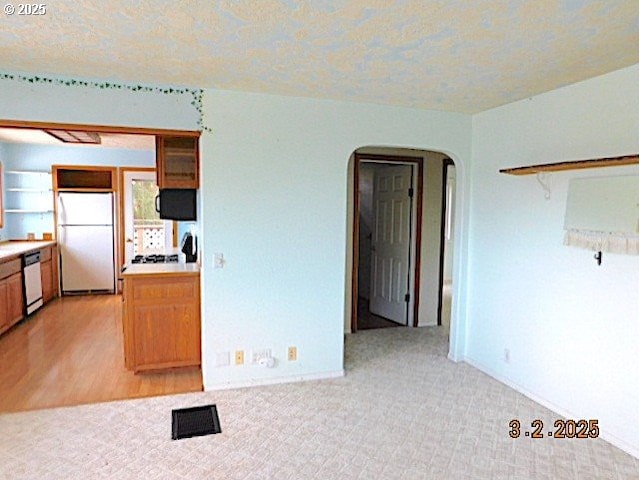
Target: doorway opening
386	244
144	233
82	323
402	238
387	227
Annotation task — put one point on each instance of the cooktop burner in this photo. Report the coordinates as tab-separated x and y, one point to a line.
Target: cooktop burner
155	259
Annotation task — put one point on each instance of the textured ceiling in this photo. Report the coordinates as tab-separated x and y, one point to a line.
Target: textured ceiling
454	55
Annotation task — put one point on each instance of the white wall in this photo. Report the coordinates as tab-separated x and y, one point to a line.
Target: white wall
275	183
570	325
94	106
41	157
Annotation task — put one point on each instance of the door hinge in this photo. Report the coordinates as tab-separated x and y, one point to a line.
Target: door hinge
411	193
407	297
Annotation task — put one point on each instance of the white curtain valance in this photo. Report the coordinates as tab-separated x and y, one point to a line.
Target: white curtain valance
611	242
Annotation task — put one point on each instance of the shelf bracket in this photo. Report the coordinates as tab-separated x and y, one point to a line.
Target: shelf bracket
544	179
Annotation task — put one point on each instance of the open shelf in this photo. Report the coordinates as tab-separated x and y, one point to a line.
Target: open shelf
30	190
21	210
28	172
29	201
572	165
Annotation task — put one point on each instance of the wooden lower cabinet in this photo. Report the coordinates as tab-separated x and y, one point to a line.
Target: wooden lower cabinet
161	321
12	308
11	301
47	283
49	273
4	304
16	298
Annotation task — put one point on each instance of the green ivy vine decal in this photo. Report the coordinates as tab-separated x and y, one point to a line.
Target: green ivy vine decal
196	93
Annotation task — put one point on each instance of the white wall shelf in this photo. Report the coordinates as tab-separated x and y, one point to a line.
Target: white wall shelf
28	202
19	210
572	165
28	172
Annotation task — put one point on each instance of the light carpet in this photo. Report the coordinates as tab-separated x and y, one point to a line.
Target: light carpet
403	411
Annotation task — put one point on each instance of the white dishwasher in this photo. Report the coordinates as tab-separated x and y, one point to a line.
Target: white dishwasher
32	282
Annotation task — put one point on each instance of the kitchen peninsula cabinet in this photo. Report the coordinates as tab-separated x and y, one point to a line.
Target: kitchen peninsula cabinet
161	316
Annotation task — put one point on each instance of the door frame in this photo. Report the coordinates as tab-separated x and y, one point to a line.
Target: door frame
417	240
120	207
446	164
121	173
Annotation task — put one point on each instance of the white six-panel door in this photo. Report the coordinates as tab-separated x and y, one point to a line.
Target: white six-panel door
391	242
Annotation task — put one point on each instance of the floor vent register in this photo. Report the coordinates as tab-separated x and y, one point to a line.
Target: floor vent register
194	422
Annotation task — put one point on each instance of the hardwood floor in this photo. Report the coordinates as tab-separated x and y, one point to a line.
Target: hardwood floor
71	352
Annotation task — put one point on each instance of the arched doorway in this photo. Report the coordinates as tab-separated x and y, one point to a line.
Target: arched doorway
419	279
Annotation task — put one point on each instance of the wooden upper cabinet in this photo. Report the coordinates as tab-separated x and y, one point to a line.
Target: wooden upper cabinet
84	178
177	162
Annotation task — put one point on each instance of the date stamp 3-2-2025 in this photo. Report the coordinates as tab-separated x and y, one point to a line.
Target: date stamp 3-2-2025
25	9
563	429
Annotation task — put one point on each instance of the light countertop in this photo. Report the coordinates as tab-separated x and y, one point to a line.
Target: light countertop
156	269
15	248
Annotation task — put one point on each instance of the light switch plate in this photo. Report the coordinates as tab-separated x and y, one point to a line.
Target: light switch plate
218	260
223	359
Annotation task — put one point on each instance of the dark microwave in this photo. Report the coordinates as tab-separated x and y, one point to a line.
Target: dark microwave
177	204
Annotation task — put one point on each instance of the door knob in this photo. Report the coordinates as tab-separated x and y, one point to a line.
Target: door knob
129	240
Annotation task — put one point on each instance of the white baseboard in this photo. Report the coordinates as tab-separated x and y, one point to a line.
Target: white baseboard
274	381
604	434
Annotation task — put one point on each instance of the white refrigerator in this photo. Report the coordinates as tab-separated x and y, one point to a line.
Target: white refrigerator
86	240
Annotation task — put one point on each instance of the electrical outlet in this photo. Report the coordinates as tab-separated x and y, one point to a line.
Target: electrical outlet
292	354
239	357
258	355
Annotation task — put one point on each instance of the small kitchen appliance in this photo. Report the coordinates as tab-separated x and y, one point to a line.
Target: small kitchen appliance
189	246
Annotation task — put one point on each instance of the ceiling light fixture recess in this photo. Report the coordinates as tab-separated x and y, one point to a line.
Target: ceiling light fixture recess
73	136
